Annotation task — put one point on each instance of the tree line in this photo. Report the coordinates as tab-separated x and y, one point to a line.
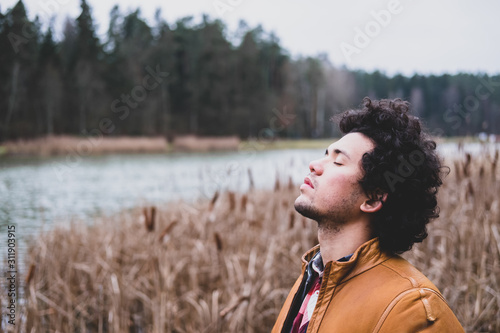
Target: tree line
193	78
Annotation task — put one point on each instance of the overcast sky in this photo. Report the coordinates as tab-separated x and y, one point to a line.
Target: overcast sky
404	36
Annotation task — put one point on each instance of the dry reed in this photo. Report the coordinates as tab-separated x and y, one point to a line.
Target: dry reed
204	144
218	270
462	253
226	265
83	146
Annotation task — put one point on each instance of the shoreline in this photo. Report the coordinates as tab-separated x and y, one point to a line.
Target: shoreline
89	146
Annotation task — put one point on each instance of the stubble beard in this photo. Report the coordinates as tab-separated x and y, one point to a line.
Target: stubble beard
333	219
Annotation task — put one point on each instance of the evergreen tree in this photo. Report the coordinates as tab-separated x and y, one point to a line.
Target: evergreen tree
18	118
85	72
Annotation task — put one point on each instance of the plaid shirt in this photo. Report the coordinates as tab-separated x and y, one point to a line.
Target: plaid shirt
307	295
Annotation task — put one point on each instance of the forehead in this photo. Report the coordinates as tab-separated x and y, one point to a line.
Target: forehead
353	144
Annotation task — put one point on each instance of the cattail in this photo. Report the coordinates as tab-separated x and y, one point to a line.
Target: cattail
244	200
214	200
250	179
481	172
232	201
291	222
31	273
218	241
467	165
277	182
167	230
146	218
470	190
494	165
149	218
153	219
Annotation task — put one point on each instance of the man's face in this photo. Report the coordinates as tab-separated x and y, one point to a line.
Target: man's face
331	194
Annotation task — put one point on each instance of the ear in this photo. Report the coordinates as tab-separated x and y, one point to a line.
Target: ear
372	205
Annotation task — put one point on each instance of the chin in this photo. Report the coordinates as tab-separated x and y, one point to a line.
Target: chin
302	206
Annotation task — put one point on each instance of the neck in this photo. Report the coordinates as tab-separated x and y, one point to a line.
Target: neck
341	241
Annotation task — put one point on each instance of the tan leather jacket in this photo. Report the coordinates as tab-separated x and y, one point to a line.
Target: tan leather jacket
374	292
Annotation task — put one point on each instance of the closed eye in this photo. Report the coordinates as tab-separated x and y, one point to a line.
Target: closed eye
336	163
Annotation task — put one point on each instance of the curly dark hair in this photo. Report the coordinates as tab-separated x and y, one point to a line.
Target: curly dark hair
403	164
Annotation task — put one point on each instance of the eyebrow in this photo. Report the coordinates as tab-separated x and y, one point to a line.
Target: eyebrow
338	151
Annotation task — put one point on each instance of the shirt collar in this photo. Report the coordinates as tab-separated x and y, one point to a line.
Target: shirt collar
317	262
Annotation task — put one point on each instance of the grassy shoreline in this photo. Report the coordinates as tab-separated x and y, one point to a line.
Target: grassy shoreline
62	145
83	146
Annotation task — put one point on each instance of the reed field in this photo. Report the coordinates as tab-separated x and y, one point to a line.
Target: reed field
227	264
98	144
89	145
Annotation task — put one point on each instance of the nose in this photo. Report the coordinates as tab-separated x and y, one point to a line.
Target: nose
316	167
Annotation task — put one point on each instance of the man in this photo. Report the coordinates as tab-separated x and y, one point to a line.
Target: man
372	195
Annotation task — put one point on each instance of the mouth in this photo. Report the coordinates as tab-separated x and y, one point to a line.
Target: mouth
307	181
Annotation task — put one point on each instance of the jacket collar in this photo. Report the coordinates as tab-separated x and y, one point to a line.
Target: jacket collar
365	257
